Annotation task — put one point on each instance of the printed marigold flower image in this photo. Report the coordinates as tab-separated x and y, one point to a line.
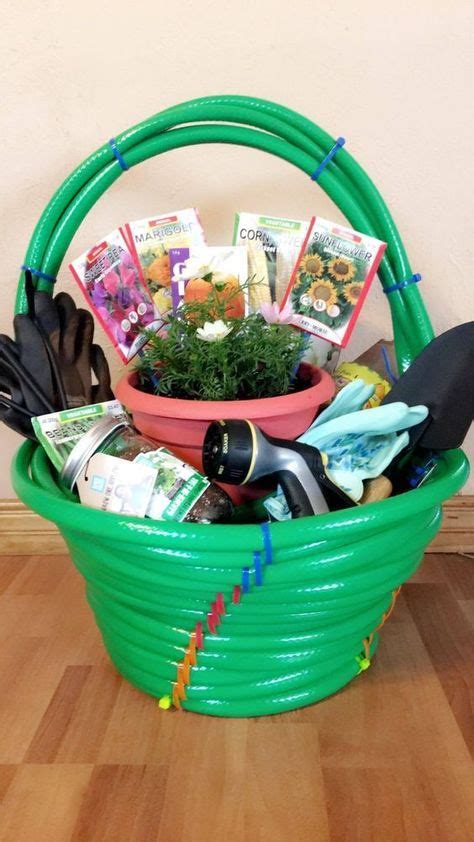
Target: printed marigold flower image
352	292
313	264
324	291
341	269
159	271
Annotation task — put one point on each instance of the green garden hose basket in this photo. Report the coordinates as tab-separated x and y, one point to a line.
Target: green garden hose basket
314	591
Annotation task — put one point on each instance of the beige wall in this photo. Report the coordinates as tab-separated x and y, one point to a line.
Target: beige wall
393	78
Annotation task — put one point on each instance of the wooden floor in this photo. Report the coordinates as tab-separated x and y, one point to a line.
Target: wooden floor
84	756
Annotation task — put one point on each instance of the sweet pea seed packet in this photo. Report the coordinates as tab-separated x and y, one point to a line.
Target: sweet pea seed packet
331	279
111	282
151	240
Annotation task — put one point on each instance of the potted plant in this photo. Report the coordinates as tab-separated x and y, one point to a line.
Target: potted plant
206	365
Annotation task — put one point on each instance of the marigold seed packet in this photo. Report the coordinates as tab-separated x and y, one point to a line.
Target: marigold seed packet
196	270
331	279
151	240
273	246
111	282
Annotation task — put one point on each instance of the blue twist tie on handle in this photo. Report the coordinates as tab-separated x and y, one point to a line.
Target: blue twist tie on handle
257	563
415	279
38	274
113	145
386	360
245	579
267	542
322	166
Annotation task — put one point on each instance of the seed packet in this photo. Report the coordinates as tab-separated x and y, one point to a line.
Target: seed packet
331	279
273	247
151	239
195	270
111	283
156	485
58	432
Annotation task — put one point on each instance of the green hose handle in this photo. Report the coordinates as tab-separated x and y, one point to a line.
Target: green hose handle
227	119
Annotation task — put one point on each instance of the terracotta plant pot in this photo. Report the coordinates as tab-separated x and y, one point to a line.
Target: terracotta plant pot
181	425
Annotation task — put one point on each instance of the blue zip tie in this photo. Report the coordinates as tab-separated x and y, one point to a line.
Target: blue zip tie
267	542
113	145
245	579
387	364
415	279
38	274
337	146
257	563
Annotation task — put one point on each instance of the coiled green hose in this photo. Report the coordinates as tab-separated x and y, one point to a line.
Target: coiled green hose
304	632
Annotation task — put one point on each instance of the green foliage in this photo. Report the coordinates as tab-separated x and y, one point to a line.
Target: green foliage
255	360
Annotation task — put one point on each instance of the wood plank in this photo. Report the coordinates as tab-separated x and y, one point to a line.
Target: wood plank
449	642
23	532
123	802
42	803
87	757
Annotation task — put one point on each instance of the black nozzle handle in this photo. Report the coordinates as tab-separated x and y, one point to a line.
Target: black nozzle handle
295	495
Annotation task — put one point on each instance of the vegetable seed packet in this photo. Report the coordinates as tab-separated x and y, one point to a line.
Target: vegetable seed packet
195	270
110	280
58	432
151	240
331	279
273	246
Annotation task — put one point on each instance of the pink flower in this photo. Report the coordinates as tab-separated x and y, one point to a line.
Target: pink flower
274	315
128	276
111	282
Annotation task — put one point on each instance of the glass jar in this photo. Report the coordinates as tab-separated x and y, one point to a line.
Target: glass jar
156	485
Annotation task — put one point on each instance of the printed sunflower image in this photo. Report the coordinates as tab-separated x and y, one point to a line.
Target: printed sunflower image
323	291
341	269
352	292
313	264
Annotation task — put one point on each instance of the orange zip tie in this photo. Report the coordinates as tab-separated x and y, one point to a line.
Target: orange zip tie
185	670
367	643
236	595
180	685
390	609
220	603
176	701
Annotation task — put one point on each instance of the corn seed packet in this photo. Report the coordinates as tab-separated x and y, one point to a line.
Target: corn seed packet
110	281
273	247
331	279
196	270
151	239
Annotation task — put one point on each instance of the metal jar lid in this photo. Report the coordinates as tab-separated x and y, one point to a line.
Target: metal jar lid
87	446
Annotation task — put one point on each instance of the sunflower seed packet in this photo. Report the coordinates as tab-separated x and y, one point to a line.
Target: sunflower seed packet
151	239
331	279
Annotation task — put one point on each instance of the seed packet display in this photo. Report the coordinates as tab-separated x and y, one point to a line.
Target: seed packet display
273	246
151	239
111	283
331	279
195	271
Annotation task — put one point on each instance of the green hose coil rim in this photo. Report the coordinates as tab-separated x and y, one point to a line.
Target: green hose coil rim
299	637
